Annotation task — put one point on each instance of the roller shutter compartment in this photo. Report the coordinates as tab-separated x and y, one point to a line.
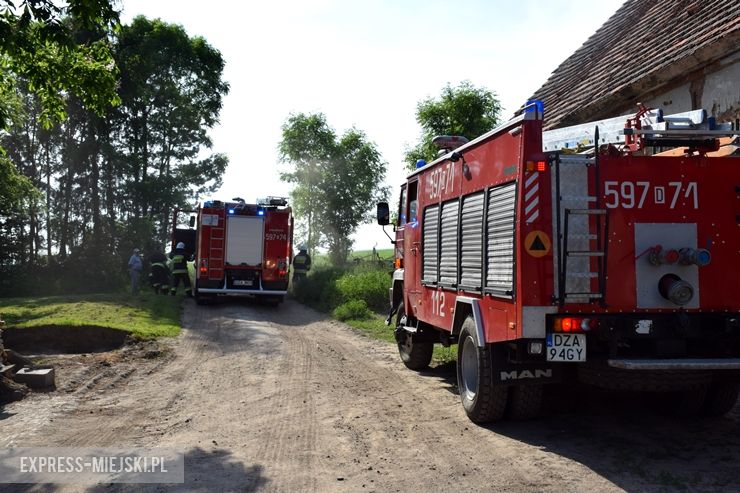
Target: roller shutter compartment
430	239
500	229
471	241
448	245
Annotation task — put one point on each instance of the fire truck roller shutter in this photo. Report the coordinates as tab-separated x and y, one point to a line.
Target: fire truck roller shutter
500	229
430	238
448	261
471	242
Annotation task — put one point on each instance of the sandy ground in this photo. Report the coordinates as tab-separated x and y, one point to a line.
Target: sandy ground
265	399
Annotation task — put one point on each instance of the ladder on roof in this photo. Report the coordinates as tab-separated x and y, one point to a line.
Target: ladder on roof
582	230
680	129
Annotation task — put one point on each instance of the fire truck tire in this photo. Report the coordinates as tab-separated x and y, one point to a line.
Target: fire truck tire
685	403
721	398
525	402
483	400
204	299
415	355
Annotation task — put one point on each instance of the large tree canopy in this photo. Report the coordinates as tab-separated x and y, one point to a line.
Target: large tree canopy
171	94
58	48
463	110
110	181
335	178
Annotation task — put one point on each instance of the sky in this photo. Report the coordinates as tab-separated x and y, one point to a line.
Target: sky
366	64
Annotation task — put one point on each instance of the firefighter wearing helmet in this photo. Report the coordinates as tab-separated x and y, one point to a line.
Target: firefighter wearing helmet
301	265
180	270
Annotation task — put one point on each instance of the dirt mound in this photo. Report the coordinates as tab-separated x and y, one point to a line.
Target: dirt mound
57	339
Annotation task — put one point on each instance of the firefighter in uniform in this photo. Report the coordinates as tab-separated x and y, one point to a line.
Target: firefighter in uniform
159	273
301	265
179	270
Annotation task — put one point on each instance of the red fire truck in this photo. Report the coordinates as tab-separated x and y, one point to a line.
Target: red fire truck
241	249
616	266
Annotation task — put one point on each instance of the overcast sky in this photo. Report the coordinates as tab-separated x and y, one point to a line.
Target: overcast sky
366	64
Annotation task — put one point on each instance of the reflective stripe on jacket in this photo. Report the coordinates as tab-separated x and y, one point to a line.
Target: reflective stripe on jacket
179	264
300	264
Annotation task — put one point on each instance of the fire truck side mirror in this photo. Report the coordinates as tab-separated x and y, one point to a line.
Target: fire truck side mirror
192	221
384	214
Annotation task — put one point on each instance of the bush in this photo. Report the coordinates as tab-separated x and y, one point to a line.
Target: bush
367	284
352	310
319	288
328	287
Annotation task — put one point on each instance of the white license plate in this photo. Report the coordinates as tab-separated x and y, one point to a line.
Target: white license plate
566	347
243	282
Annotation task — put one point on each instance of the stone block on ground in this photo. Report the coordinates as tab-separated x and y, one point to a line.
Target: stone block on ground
36	378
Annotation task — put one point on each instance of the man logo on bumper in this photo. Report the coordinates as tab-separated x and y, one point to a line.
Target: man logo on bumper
525	374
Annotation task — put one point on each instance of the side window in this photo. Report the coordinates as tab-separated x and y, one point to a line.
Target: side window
402	208
413	215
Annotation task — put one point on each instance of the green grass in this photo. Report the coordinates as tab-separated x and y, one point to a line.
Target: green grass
376	328
146	315
385	253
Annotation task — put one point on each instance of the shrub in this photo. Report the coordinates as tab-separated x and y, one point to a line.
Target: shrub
352	310
328	287
367	284
319	288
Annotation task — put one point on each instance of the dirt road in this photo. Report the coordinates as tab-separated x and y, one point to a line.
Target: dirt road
285	400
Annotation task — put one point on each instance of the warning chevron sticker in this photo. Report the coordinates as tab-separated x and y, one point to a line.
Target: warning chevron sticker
537	244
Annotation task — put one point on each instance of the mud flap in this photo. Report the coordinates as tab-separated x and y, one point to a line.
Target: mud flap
525	372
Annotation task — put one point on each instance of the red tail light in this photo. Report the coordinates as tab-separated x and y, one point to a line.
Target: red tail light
203	266
574	324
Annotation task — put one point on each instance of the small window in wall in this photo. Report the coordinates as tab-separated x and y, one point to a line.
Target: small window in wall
430	239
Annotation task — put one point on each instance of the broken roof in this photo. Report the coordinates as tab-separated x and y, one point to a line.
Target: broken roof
645	45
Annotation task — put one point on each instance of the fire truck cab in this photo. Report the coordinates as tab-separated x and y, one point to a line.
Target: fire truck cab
544	264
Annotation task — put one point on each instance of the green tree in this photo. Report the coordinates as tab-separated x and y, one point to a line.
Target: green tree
59	49
172	91
335	180
50	51
463	110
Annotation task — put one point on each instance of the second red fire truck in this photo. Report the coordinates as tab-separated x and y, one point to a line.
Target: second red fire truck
240	249
614	267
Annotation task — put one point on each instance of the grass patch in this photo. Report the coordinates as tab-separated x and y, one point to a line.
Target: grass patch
376	328
357	295
146	315
353	309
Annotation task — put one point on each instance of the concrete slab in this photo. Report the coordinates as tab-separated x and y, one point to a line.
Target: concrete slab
38	378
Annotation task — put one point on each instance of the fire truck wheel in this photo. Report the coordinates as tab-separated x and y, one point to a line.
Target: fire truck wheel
721	398
414	354
525	402
482	399
683	404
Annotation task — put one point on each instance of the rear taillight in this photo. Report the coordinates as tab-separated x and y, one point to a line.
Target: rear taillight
574	324
203	266
399	263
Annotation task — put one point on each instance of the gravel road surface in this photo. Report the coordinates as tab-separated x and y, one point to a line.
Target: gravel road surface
283	399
